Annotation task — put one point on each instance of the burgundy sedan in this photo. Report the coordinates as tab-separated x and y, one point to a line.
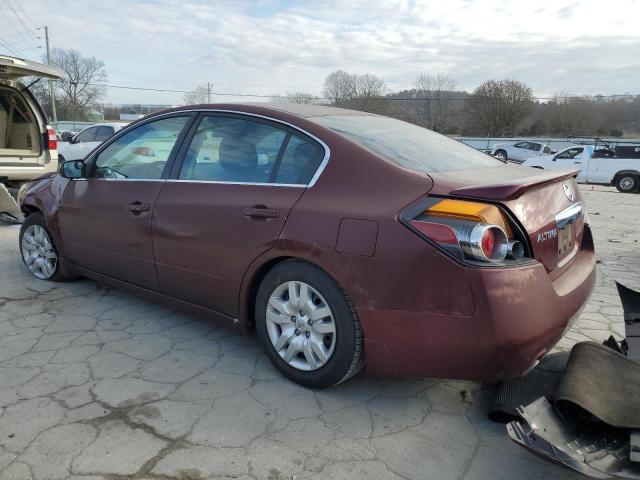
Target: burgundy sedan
346	239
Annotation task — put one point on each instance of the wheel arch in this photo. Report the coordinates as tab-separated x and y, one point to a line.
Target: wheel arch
625	172
260	267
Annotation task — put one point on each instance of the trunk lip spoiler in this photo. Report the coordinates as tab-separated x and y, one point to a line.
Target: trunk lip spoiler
511	189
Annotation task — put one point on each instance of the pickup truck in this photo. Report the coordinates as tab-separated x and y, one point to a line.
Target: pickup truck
598	165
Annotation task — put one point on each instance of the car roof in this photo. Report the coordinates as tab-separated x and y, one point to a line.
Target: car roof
299	110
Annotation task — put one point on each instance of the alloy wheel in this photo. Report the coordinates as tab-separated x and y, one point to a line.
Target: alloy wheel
627	183
300	325
38	252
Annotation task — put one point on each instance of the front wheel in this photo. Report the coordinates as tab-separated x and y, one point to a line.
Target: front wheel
307	325
626	183
38	251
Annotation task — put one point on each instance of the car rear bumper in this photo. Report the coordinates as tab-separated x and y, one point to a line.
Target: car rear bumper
520	314
28	169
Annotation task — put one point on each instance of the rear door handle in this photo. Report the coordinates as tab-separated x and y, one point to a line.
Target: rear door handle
261	212
136	208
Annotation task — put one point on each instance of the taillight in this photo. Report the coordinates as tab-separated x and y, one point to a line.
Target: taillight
52	139
467	230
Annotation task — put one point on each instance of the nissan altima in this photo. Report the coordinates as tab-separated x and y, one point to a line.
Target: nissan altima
346	240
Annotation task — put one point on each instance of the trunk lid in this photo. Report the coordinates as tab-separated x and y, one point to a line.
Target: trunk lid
12	68
547	204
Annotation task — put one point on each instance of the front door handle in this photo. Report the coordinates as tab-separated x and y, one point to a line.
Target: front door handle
136	208
261	211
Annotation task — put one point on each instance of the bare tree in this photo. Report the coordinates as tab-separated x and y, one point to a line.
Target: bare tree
369	91
500	105
81	87
570	115
202	94
339	87
297	97
358	91
434	95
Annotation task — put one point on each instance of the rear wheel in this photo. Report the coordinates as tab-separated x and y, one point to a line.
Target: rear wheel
307	325
626	183
501	154
38	251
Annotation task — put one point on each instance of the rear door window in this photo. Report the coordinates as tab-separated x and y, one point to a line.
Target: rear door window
299	162
238	150
88	135
104	133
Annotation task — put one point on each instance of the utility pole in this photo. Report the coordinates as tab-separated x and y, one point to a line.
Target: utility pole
209	87
51	94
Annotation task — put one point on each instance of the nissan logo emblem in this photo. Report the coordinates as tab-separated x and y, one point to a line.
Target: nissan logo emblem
568	191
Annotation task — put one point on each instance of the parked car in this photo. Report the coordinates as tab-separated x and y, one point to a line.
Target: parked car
79	145
345	239
28	146
517	152
67	135
598	165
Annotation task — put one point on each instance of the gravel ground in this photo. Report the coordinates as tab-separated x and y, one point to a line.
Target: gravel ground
95	383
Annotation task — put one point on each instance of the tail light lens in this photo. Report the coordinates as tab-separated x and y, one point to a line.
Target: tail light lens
52	139
467	230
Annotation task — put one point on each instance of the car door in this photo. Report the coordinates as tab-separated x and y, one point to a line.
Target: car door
105	218
519	151
572	158
229	196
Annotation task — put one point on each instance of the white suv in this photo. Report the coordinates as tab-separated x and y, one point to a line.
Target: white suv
28	146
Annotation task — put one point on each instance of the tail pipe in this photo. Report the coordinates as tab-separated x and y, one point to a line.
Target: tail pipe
515	249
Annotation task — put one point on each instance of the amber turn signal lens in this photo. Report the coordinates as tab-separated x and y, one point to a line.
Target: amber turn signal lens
472	211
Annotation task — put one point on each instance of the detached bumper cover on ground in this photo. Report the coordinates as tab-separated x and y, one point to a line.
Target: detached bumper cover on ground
9	210
593	424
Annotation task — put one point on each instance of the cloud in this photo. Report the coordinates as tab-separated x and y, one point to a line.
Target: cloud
271	46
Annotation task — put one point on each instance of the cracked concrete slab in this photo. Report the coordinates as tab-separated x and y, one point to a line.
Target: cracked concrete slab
96	384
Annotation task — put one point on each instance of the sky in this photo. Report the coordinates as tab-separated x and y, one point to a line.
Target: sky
266	47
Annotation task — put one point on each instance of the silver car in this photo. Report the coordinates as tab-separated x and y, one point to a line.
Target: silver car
518	151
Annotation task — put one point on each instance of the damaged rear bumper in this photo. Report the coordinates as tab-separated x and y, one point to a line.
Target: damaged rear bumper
591	421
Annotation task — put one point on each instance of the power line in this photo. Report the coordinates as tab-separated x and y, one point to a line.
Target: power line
15	34
383	99
8	47
28	17
26	28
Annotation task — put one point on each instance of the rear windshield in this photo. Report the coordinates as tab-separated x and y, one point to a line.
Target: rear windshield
407	145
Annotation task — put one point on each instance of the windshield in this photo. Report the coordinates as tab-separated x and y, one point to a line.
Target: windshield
407	145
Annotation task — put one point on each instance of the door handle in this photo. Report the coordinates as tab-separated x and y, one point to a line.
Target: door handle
136	208
578	163
261	211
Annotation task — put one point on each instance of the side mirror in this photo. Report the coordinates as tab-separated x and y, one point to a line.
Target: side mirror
555	157
71	169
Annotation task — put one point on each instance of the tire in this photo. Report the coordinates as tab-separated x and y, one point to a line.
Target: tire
316	353
35	239
627	183
502	154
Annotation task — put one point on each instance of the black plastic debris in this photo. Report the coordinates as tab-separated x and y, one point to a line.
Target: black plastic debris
631	305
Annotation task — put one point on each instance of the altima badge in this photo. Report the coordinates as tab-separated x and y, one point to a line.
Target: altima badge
568	191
